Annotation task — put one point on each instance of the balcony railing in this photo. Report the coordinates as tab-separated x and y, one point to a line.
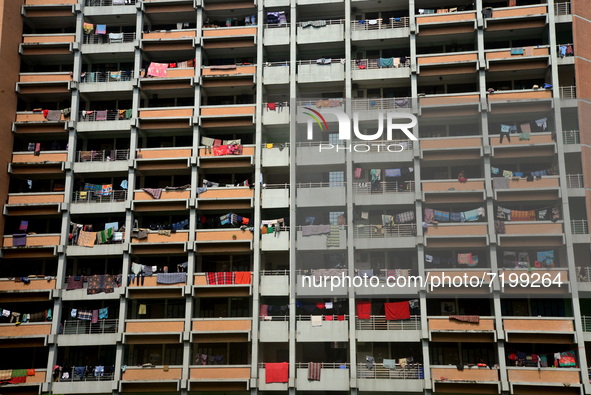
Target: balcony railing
586	321
584	274
386	187
89	197
327	23
379	323
307	185
380	104
392	23
314	61
571	137
87	376
575	181
579	226
413	371
568	92
275	25
372	64
562	8
274	272
81	327
106	3
107	76
90	116
102	156
325	365
276	186
304	317
372	232
109	38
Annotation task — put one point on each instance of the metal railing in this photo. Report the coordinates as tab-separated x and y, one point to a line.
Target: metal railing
379	323
274	272
412	371
380	104
107	76
82	327
571	137
87	376
276	64
315	61
386	187
277	108
334	184
382	145
109	38
584	274
102	156
575	181
325	365
568	92
372	64
276	186
382	232
89	197
305	317
586	321
579	226
562	8
328	22
90	116
369	24
275	25
106	3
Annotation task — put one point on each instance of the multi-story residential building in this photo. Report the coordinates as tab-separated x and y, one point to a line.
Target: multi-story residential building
134	256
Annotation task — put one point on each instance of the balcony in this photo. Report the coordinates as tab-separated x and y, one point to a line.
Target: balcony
562	9
381	30
225	37
519	95
109	3
453	191
333	377
539	144
53	45
89	383
108	81
34	122
275	329
389	192
26	329
176	79
543	377
84	333
568	92
163	158
209	160
44	83
226	198
445	277
215	330
154	237
503	60
465	235
473	380
320	194
547	188
36	284
154	326
310	71
153	379
383	379
169	200
445	64
318	242
34	203
223	240
220	377
103	121
172	40
102	161
532	234
369	69
275	241
276	34
38	245
31	381
221	71
227	116
166	118
274	157
279	116
522	17
539	329
440	104
150	288
308	33
47	162
276	73
264	386
101	44
377	329
377	236
240	288
308	153
274	283
330	331
446	23
85	202
451	148
444	329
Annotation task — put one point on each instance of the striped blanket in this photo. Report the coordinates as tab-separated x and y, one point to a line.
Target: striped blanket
314	371
171	278
333	239
154	192
220	278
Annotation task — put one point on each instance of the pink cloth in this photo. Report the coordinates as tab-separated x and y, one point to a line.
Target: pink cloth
157	69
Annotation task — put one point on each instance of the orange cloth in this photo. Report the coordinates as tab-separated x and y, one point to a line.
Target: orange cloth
30	372
242	278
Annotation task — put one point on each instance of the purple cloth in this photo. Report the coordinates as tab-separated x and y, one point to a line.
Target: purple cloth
19	239
101	115
310	230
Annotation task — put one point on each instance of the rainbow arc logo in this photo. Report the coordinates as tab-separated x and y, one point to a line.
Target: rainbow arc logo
316	119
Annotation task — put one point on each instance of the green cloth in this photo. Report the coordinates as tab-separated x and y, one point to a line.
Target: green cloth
128	114
523	136
333	239
106	235
19	373
390	363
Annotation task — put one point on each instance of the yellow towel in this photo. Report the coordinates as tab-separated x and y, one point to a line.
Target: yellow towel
142	309
269	145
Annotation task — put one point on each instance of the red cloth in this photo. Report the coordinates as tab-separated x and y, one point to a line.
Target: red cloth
320	305
364	309
45	112
328	318
30	372
242	278
271	106
397	311
276	372
340	318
